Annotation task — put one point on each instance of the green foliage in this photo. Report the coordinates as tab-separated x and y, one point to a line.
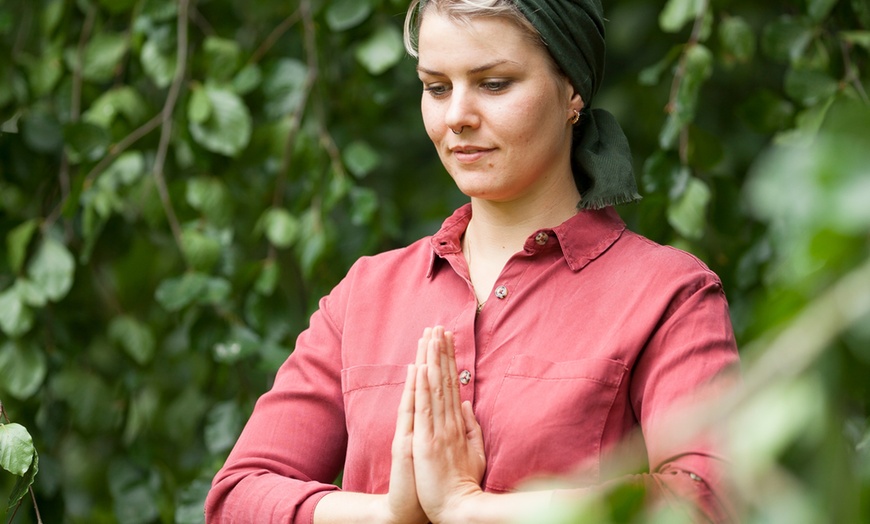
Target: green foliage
180	182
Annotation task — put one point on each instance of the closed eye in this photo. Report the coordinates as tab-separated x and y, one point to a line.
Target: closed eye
496	85
436	90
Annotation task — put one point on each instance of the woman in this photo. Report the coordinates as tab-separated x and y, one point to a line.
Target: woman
550	333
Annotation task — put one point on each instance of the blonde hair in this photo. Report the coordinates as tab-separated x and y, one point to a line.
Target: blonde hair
463	11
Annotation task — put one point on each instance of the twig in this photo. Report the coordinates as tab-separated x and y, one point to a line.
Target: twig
166	116
35	506
852	75
201	22
680	75
273	37
122	145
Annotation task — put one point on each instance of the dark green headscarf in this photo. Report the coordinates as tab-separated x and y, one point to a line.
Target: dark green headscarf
574	33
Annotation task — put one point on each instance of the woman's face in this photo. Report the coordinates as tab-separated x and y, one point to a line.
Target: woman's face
490	81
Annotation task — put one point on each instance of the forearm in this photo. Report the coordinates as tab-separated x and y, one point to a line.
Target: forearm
498	508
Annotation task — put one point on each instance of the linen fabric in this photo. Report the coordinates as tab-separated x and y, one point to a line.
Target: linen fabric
598	332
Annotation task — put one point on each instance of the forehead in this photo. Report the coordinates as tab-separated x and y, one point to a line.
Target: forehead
443	38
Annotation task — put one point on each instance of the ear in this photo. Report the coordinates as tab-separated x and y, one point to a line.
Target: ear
576	102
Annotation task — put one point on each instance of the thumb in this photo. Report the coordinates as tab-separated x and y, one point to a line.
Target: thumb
473	433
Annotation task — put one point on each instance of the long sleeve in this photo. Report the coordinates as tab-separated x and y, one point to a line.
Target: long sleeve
293	446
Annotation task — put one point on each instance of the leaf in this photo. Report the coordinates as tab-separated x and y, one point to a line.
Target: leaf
17	241
102	55
120	101
126	170
687	215
786	39
16	318
283	88
281	228
651	75
159	67
16	449
42	132
810	87
22	369
364	204
118	6
267	280
200	250
43	71
737	40
134	337
248	79
223	425
382	50
228	129
210	196
199	106
176	293
861	38
345	14
222	57
241	343
360	158
191	502
22	485
820	9
766	112
133	493
52	269
86	142
677	13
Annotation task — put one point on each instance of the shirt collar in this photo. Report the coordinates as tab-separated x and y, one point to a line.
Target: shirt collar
583	237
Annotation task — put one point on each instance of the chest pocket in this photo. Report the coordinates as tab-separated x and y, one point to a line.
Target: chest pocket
371	400
549	418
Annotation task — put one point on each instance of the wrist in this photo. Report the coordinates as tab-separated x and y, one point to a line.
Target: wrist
464	508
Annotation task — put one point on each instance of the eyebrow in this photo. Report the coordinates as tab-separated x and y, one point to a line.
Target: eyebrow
475	70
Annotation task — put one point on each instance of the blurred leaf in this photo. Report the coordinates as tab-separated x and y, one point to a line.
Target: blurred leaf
126	170
786	39
118	6
652	75
17	241
766	112
52	269
176	293
382	50
283	88
862	10
861	38
688	214
93	403
820	9
228	129
159	66
223	58
810	87
51	16
281	228
42	132
102	55
737	40
86	142
133	493
677	13
364	204
241	343
16	449
191	502
16	318
360	158
43	71
199	106
249	78
210	196
120	101
135	337
345	14
267	280
22	369
201	251
223	425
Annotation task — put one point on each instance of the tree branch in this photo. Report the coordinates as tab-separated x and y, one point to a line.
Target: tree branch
166	117
273	37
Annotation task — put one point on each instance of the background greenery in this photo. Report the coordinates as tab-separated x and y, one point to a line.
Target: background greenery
181	180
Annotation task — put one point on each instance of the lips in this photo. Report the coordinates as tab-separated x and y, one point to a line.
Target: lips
469	154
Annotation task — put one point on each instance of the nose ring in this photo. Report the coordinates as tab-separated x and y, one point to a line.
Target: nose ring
455	132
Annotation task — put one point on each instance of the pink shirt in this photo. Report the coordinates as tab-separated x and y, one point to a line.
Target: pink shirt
590	332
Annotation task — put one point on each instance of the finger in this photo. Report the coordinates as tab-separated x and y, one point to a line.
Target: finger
452	371
435	380
405	420
422	405
422	344
472	428
451	387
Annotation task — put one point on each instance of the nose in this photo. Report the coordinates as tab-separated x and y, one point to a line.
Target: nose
461	111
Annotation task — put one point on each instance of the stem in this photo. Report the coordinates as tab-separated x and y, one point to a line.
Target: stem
273	37
122	145
852	75
166	116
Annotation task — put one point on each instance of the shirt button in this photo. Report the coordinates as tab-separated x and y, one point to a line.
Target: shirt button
541	238
465	377
501	292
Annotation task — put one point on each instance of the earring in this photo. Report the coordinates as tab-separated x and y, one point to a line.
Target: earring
576	117
455	132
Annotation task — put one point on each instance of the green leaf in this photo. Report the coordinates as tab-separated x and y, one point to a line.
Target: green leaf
16	318
786	39
120	101
364	204
809	87
223	425
861	9
17	241
345	14
51	16
766	112
200	250
86	141
687	215
283	88
360	158
861	38
125	171
118	6
22	369
267	280
32	295
52	269
133	493
199	106
191	502
135	337
210	196
241	343
228	129
382	50
222	57
662	173
16	449
160	66
22	485
677	13
820	9
281	228
43	71
176	293
102	55
42	132
248	79
94	405
737	40
651	75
